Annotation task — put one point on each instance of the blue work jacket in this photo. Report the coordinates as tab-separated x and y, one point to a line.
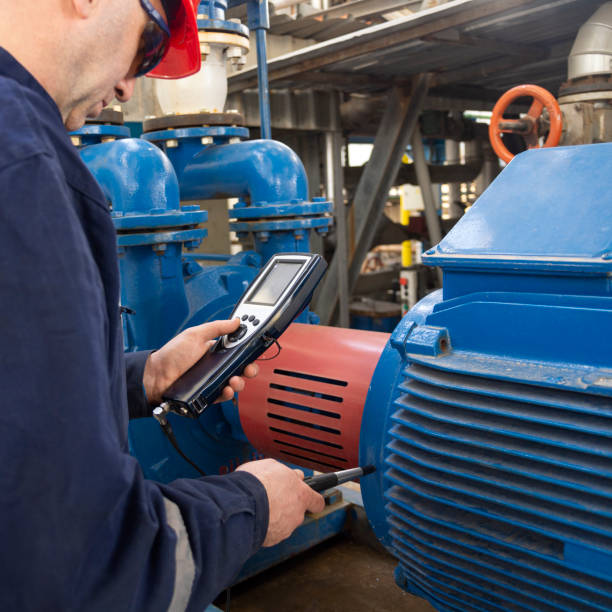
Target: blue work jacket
80	527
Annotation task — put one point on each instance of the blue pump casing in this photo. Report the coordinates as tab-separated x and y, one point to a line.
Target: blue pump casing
489	415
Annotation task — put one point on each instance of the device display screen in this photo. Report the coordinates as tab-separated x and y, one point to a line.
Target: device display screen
275	282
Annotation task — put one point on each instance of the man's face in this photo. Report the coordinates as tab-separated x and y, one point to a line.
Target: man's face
106	64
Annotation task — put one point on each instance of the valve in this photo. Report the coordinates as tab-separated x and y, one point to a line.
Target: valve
528	126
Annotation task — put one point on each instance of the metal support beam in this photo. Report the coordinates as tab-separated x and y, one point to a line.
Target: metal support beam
392	138
376	38
431	210
334	184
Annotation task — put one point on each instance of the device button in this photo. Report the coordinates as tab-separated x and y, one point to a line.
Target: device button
256	322
251	317
239	333
245	317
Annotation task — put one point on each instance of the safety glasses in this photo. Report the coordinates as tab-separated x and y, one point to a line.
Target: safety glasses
153	43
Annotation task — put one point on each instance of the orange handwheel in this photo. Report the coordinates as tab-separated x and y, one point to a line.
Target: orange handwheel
527	127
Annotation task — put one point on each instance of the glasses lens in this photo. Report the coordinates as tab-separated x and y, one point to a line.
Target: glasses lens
152	48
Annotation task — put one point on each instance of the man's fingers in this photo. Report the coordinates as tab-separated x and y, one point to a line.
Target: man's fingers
236	383
316	502
299	474
251	371
226	394
214	329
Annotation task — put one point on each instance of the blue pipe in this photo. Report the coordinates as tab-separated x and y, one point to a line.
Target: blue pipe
260	170
264	89
134	175
139	180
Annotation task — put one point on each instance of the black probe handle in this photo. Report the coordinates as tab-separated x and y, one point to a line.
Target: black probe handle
322	481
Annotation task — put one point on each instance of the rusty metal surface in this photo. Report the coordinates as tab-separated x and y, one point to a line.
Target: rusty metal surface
477	43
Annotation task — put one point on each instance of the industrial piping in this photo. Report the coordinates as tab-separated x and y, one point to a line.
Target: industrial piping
142	188
591	53
127	168
260	170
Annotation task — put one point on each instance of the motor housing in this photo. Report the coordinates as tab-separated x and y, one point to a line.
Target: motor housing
489	414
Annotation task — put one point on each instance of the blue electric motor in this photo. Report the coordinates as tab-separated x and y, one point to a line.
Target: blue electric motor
489	415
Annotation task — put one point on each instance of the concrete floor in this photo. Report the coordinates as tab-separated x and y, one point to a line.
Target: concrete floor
343	574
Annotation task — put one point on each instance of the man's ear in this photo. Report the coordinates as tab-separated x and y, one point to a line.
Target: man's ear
85	8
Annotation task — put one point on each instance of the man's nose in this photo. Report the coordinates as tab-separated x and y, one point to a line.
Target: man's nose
124	89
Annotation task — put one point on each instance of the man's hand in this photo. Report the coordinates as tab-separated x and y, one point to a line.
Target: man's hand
288	497
174	358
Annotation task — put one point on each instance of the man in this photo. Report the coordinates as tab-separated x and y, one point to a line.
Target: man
80	527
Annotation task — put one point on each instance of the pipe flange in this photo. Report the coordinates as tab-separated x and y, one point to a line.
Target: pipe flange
588	85
161	238
320	224
263	210
220	25
168	122
98	134
212	37
157	219
593	97
108	116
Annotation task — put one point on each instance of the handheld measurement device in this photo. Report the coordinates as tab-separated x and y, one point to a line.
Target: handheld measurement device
277	295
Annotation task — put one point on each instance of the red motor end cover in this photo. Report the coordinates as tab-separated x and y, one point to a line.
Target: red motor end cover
306	405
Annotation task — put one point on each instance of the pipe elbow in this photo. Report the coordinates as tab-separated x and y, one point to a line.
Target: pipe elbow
591	53
260	170
134	175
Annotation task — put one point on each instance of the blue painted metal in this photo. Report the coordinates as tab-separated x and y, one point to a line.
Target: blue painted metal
266	173
261	170
211	16
490	413
264	90
370	323
91	134
258	19
191	138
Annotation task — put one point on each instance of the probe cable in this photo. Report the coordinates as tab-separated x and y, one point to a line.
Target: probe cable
278	346
160	416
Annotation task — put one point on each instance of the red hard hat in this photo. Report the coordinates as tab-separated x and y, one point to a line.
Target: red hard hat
183	56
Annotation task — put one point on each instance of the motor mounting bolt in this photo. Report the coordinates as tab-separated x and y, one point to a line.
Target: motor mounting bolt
263	236
207	140
172	143
76	141
160	248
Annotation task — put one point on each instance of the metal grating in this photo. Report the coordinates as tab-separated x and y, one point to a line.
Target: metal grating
494	486
305	417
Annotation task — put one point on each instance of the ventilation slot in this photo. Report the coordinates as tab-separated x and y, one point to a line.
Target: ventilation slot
304	423
324	396
302	449
492	484
313	377
331	415
301	437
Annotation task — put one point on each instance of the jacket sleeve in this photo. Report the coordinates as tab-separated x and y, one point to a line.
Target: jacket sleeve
138	405
81	528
